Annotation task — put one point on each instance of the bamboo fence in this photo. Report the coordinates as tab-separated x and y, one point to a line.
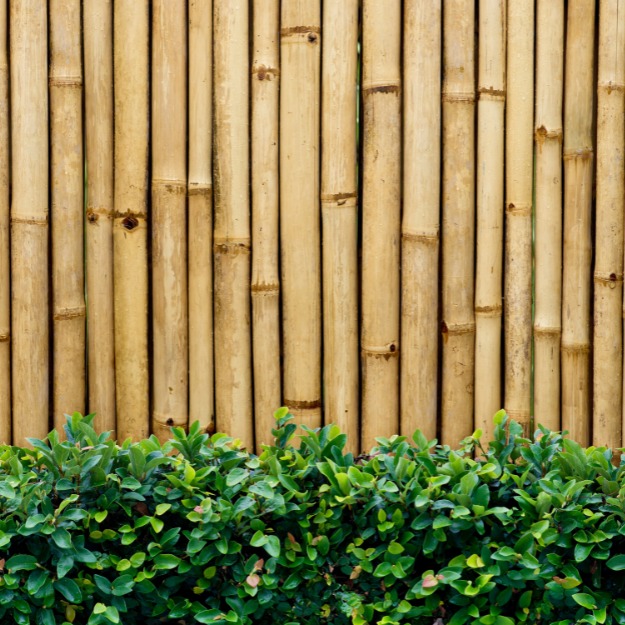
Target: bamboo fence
382	214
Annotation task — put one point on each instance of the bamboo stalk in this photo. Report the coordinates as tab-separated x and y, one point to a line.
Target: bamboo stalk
200	217
29	219
490	201
98	59
67	172
169	224
421	216
548	241
299	208
233	359
518	245
5	293
265	226
339	204
130	224
578	166
608	273
458	221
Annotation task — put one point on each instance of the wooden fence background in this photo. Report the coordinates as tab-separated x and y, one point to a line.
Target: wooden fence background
383	214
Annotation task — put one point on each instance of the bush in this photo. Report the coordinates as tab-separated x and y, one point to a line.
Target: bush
92	532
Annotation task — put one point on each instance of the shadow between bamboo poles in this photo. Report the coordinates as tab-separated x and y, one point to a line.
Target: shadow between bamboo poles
169	224
265	287
519	185
548	210
29	219
68	284
421	216
610	204
299	208
233	359
98	60
490	202
578	170
458	230
5	292
131	26
339	208
200	215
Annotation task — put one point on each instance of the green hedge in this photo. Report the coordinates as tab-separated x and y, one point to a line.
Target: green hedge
92	532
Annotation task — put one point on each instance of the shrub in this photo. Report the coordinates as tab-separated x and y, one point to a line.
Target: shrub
527	532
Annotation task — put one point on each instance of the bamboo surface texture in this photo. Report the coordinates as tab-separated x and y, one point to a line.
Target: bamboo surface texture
548	209
421	217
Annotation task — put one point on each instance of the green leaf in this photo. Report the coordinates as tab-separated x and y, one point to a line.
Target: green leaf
69	589
62	538
236	476
585	600
209	616
21	563
166	561
273	546
616	563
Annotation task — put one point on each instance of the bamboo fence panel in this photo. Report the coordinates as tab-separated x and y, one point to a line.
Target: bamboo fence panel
608	272
299	208
518	244
458	206
98	85
130	242
233	359
490	201
548	209
200	215
576	254
421	217
5	292
68	300
169	223
265	216
339	202
30	306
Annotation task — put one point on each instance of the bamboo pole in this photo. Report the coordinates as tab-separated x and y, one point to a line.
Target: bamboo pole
518	244
265	199
98	59
578	166
68	280
5	292
490	202
458	220
339	204
608	274
169	223
299	208
548	237
233	359
130	224
421	217
200	217
381	93
29	219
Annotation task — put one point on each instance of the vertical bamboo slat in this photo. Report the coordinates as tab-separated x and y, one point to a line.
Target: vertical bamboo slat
68	299
169	219
421	216
548	241
518	245
131	25
265	211
458	230
5	291
299	208
98	60
608	274
381	208
339	204
200	216
29	219
578	166
490	202
233	359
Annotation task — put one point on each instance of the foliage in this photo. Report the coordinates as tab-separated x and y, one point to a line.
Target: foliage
196	530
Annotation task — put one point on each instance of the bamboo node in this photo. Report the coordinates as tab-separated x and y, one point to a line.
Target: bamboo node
609	279
579	153
388	351
199	188
173	187
302	405
458	96
300	34
5	337
94	213
65	81
169	421
542	134
455	329
610	86
575	348
546	331
383	88
519	209
348	200
64	314
490	93
429	238
263	72
233	247
33	221
265	287
489	311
